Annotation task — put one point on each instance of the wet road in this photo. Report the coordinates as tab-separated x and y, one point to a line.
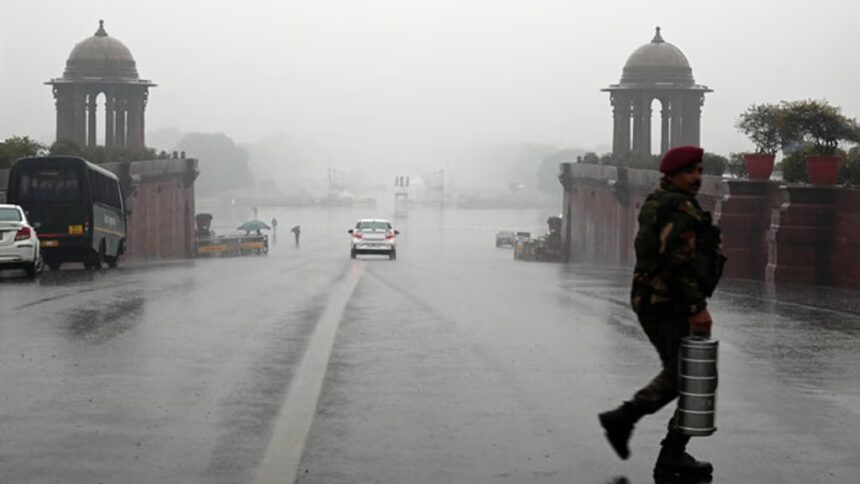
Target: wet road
452	364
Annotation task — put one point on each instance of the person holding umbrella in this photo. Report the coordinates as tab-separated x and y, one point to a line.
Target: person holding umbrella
254	226
296	230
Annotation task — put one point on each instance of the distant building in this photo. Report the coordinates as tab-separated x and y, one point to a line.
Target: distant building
657	70
101	65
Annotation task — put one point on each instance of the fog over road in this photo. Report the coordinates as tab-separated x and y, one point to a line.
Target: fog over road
454	363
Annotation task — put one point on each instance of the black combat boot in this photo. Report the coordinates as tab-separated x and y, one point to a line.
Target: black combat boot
675	461
619	424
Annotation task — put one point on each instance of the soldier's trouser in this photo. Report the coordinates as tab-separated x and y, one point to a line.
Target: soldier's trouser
665	330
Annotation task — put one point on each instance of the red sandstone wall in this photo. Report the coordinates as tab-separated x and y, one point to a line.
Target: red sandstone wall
845	263
604	211
761	228
161	225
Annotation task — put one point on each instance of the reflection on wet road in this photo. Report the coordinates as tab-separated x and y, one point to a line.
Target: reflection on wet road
452	364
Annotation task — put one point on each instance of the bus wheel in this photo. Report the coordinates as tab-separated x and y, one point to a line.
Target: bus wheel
112	262
53	264
94	259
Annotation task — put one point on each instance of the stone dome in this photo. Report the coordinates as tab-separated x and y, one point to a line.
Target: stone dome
657	62
100	56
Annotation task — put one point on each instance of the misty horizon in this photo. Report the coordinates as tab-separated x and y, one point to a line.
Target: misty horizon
417	86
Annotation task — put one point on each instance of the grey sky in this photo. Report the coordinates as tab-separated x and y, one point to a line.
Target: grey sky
410	80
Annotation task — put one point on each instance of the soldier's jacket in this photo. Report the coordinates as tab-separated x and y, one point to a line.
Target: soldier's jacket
679	259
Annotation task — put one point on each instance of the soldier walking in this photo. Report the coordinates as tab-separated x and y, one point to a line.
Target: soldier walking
678	265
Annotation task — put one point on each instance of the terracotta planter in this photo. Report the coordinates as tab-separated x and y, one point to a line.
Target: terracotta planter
822	169
759	165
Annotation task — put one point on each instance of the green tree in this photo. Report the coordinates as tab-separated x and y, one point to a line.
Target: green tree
609	159
849	171
736	166
714	164
102	154
640	161
819	123
764	125
794	164
16	147
590	158
65	147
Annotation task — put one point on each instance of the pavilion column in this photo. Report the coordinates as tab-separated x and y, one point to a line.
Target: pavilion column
665	114
621	118
110	121
120	111
646	101
676	122
692	119
144	98
65	113
80	123
91	119
135	122
641	126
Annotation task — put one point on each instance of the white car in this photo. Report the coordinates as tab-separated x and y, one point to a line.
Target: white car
19	245
373	236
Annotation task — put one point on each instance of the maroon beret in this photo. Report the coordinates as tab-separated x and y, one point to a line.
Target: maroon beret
680	157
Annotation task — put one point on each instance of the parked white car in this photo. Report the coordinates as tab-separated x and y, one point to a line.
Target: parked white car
19	245
374	236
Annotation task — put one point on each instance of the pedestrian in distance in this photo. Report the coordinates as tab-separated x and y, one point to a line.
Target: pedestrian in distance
274	230
679	262
297	231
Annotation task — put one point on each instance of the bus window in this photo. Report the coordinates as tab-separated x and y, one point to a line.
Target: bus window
115	198
50	185
104	190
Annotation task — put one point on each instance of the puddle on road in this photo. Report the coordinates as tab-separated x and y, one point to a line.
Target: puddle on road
98	325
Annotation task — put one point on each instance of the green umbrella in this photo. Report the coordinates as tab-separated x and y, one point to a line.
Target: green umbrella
254	226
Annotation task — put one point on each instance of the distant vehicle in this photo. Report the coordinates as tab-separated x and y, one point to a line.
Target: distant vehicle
19	245
519	243
76	206
506	238
374	236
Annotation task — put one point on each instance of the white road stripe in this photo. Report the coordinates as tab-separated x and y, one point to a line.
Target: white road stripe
284	454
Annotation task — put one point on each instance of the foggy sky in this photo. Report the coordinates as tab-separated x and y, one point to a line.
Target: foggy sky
395	82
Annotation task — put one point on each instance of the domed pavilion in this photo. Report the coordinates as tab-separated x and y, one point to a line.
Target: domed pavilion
101	65
657	70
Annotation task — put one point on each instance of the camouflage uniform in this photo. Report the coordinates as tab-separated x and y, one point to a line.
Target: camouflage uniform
678	263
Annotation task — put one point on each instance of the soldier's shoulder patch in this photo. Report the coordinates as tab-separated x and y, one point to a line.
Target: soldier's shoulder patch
687	207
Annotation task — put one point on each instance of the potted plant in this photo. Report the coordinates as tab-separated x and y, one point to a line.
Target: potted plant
762	124
825	127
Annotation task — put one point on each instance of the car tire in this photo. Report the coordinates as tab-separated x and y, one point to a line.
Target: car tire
352	254
392	255
113	261
34	269
54	265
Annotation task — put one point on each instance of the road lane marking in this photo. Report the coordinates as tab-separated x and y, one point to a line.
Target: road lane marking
284	453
